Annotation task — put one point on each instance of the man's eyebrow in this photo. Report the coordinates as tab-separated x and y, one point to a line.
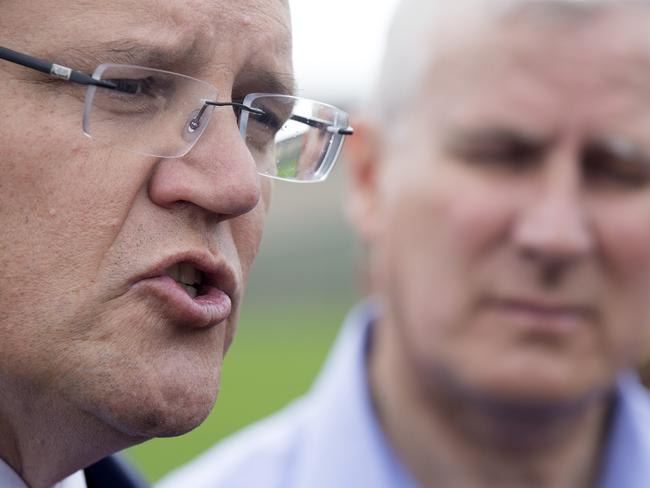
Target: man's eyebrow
266	81
133	52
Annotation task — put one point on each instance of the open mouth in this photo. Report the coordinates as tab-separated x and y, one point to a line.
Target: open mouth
194	288
188	278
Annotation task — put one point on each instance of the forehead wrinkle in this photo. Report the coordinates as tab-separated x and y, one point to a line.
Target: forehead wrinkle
156	33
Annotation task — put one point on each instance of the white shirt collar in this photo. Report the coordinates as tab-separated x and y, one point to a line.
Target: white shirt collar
75	480
9	479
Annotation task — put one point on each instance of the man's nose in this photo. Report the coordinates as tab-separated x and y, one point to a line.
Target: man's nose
219	174
554	226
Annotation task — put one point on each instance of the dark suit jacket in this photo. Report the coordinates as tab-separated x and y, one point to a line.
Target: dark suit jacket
113	472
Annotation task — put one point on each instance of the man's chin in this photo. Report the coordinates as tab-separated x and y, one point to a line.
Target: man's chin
534	406
516	391
568	387
148	416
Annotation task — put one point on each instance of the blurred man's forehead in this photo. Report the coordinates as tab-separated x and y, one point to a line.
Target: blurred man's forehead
423	32
625	22
527	35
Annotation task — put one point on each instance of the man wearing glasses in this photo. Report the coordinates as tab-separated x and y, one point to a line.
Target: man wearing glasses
501	185
137	146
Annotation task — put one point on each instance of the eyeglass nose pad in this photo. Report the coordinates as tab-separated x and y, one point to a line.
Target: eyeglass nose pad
196	123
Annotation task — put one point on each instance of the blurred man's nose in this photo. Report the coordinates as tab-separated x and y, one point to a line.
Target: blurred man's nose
553	227
218	175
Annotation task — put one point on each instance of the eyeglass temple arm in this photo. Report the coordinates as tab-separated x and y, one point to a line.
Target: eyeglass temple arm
319	124
324	125
52	69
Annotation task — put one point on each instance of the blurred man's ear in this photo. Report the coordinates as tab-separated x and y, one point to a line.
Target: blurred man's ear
362	159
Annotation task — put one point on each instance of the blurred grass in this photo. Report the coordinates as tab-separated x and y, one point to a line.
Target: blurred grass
275	357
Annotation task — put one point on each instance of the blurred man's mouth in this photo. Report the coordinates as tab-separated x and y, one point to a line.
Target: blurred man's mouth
542	315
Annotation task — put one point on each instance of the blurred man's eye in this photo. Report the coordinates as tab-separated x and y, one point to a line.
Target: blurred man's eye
496	148
619	165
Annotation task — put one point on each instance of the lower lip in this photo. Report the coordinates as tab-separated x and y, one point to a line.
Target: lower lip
541	320
210	308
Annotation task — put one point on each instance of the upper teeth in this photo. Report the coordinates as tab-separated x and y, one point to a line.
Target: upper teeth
186	274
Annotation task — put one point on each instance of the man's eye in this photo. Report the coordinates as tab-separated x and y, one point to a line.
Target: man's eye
604	166
268	119
130	87
261	130
137	96
506	153
145	87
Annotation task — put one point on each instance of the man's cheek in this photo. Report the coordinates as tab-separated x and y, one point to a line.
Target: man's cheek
247	231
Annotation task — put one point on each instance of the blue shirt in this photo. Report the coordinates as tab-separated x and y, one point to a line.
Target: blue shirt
626	461
331	437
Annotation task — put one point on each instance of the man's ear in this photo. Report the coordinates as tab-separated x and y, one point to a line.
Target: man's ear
362	159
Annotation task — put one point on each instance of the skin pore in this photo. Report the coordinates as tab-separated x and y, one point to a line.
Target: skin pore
90	362
506	214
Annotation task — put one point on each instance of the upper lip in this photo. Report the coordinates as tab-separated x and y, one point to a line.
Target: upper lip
216	272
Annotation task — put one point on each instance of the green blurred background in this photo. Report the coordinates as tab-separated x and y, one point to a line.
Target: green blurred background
301	287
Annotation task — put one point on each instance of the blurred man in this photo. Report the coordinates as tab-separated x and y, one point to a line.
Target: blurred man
124	254
501	186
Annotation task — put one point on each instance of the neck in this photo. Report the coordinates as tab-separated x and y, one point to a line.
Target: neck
44	442
460	440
